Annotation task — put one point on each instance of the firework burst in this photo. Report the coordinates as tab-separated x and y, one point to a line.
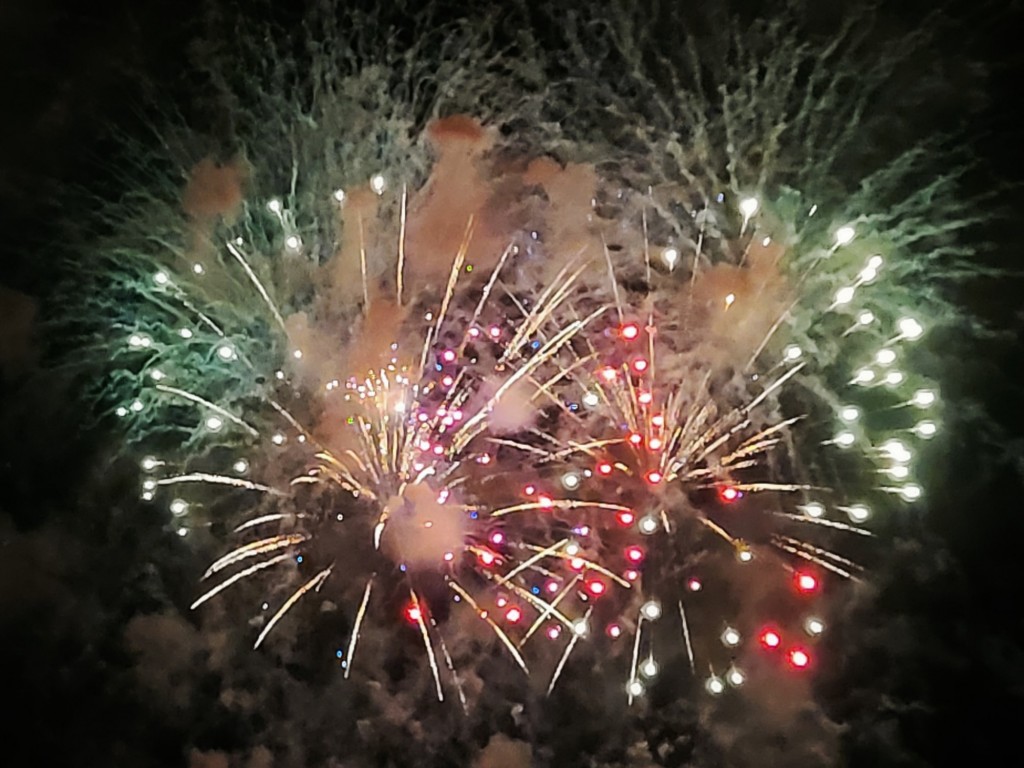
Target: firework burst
642	399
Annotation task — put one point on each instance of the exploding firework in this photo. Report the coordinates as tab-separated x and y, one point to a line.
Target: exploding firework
599	379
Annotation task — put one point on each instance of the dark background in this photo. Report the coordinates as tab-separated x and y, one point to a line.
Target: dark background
932	671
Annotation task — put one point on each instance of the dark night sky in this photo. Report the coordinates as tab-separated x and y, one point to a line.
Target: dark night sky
933	667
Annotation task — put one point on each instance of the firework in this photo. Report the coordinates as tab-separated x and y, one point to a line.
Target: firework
647	402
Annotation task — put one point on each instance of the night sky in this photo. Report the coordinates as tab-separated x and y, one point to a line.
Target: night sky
103	664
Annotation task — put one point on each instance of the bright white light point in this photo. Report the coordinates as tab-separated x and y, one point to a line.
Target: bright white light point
845	439
814	626
868	274
161	278
149	463
875	262
571	481
297	354
377	184
766	242
923	398
864	375
845	294
214	423
749	206
121	411
736	677
714	685
179	507
649	668
894	377
911	492
183	531
591	400
926	429
844	235
648	525
198	269
580	627
241	466
849	413
185	333
149	485
635	688
745	555
277	439
792	352
910	328
274	206
812	509
156	374
224	352
239	241
135	340
136	406
896	449
572	549
651	610
147	496
339	195
671	257
885	356
898	472
293	242
867	317
730	637
730	299
279	375
858	513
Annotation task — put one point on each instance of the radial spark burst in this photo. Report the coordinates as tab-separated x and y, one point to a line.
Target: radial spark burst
644	399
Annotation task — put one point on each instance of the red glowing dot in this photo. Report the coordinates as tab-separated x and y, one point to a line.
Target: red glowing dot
629	331
545	502
608	374
799	658
639	365
806	582
654	443
513	614
577	563
653	477
604	468
553	633
727	494
634	554
486	557
632	575
645	398
497	537
596	588
552	586
495	331
635	438
694	585
529	490
658	421
413	613
614	631
448	355
625	518
770	638
447	381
